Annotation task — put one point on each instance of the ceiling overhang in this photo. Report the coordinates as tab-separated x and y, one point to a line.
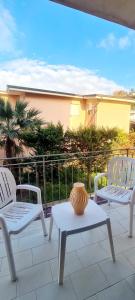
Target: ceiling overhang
118	11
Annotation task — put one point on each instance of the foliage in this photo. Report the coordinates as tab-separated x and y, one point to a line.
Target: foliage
120	93
121	141
92	144
13	121
124	140
131	138
44	140
91	140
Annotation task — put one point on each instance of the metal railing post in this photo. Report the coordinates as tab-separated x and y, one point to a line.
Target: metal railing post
44	186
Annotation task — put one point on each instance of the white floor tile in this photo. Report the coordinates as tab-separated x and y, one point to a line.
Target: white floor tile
29	296
55	292
117	271
131	282
121	243
34	277
130	255
72	264
93	236
45	252
7	288
74	242
91	254
22	260
31	241
88	282
120	291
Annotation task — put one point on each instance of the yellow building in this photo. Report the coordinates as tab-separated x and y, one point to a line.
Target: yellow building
74	110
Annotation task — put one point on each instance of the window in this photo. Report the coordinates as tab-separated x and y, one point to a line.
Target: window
74	110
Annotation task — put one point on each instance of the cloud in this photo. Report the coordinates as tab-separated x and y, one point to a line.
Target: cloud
123	42
8	32
108	42
65	78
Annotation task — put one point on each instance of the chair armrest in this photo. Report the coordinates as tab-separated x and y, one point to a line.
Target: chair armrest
31	188
96	179
3	224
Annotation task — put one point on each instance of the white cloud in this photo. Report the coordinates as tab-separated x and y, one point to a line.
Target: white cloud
108	42
123	42
8	32
66	78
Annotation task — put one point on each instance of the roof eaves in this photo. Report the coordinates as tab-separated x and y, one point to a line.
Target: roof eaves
111	98
41	91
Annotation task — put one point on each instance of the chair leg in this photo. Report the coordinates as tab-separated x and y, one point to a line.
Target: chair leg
95	198
50	228
131	220
109	202
110	238
43	223
10	256
62	249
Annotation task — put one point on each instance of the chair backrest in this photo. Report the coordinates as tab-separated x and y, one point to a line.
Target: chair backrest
7	187
121	171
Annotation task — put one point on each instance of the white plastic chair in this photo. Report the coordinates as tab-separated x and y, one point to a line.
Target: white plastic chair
120	184
15	216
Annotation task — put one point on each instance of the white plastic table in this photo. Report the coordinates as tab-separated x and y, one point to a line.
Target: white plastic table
69	223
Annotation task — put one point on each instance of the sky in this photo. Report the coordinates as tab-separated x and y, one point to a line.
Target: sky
49	46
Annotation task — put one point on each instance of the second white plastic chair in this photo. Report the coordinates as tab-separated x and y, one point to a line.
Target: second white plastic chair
15	216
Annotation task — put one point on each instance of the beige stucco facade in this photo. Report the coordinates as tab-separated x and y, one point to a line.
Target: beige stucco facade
52	109
113	114
74	111
108	112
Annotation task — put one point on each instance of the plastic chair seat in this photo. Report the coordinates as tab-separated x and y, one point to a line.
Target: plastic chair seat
19	214
115	194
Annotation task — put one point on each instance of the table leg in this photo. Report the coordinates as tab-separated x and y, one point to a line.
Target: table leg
62	249
110	238
50	227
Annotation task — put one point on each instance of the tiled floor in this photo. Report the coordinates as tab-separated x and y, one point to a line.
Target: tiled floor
89	271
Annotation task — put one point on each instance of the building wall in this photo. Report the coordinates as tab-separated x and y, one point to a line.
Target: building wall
91	112
13	99
54	109
113	114
75	112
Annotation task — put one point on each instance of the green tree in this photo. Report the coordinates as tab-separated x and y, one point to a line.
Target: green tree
93	145
13	121
46	140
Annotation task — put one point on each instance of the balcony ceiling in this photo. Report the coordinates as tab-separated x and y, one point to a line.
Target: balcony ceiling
118	11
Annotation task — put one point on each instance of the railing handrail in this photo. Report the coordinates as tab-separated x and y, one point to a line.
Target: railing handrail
65	154
55	173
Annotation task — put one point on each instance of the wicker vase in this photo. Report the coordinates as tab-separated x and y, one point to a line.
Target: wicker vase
79	198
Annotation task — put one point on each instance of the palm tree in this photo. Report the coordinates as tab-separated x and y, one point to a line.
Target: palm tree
13	121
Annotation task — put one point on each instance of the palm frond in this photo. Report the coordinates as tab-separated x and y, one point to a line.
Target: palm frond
13	122
20	109
17	149
2	109
32	113
6	112
9	110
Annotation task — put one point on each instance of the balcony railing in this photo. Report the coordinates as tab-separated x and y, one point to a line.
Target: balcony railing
56	173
